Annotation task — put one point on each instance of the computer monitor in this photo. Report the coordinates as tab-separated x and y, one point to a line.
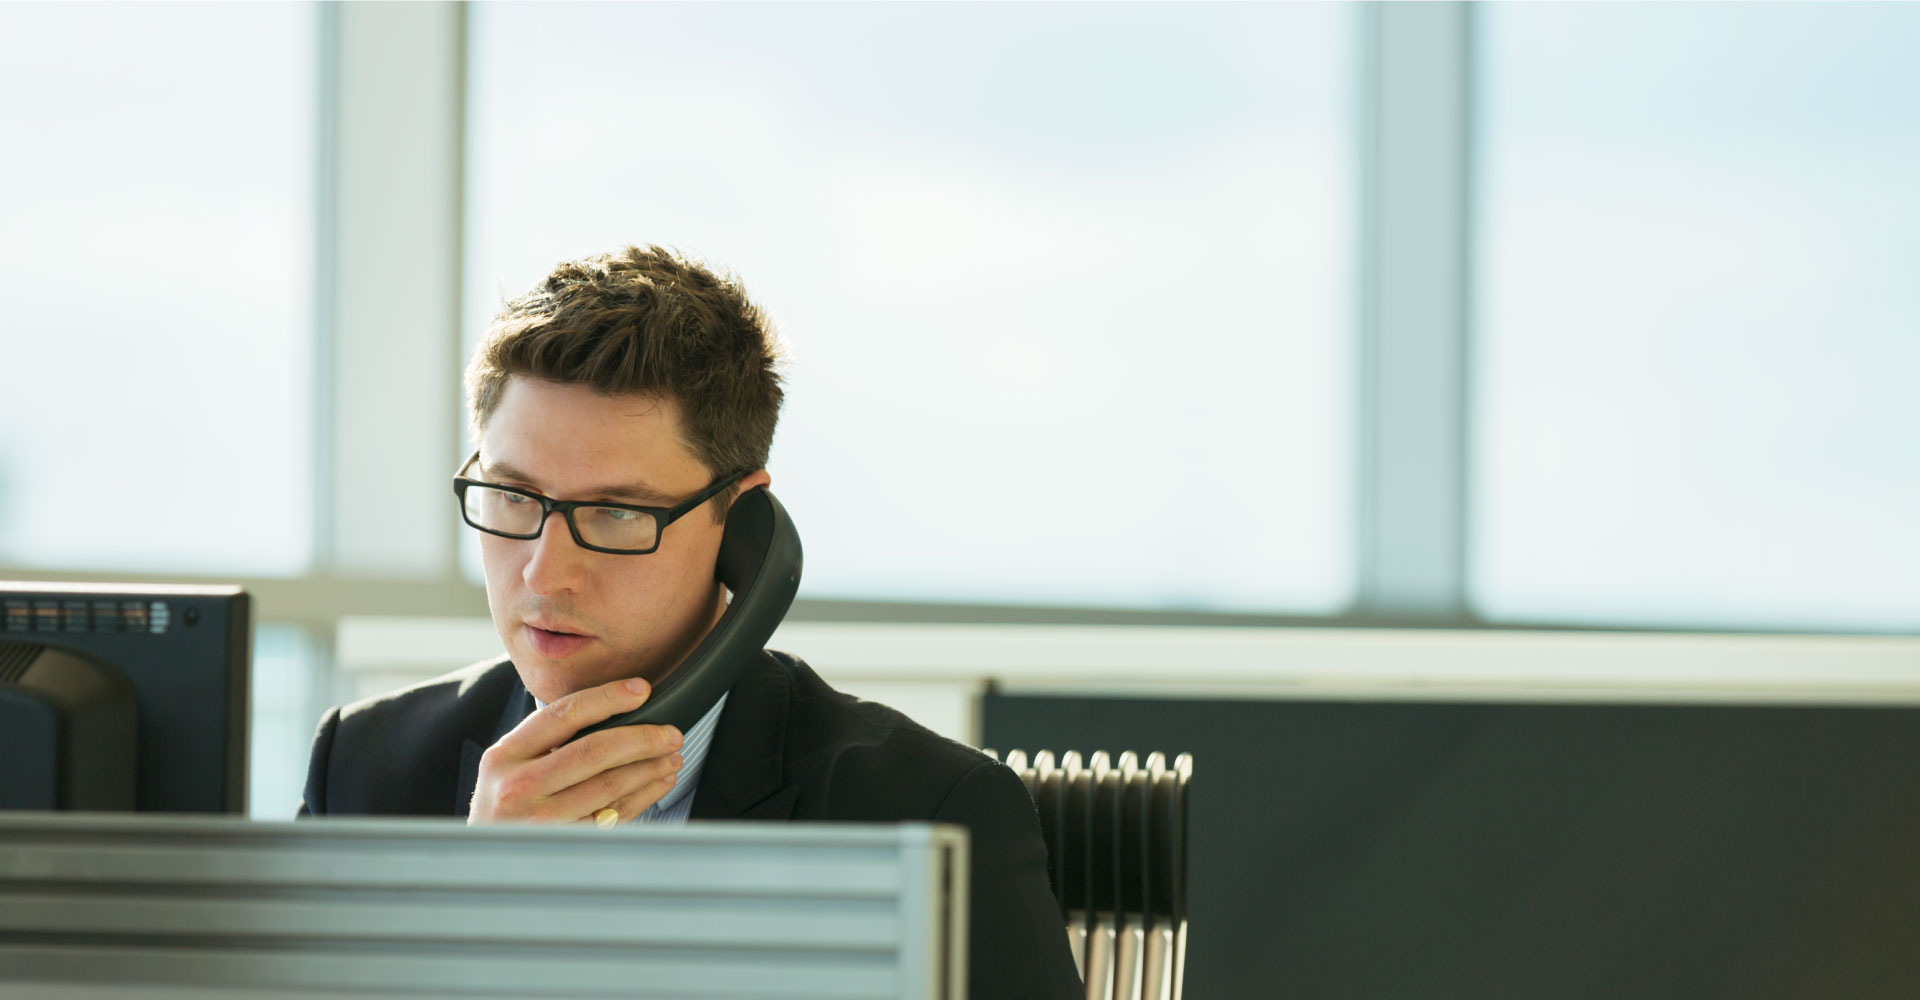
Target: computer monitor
117	698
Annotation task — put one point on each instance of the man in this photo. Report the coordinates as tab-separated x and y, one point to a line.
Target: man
645	387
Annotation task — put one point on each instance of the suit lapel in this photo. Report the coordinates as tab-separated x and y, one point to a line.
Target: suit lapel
519	705
744	776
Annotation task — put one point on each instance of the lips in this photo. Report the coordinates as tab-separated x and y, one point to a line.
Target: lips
554	641
554	625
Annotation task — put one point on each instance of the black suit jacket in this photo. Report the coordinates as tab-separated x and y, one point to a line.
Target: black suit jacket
787	747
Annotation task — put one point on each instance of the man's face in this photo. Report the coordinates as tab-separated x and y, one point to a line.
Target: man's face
572	618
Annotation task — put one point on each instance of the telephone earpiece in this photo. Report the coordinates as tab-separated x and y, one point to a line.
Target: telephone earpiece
760	563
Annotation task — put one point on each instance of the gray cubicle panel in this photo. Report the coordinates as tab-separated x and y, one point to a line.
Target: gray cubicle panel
104	905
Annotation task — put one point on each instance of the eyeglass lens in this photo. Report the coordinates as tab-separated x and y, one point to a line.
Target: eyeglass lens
517	514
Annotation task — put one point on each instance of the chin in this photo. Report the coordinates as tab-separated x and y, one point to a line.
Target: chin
547	680
539	682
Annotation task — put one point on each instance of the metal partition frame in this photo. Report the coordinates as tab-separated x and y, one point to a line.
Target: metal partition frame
111	905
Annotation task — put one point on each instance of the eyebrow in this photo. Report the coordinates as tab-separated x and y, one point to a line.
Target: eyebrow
639	493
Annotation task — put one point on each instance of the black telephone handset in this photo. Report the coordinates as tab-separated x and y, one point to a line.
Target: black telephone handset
760	563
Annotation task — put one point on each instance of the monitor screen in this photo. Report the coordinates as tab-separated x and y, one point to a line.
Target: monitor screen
117	698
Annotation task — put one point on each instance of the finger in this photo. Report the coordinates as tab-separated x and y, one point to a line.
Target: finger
603	752
628	790
640	801
555	723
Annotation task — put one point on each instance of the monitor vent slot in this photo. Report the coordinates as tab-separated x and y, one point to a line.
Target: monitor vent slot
15	658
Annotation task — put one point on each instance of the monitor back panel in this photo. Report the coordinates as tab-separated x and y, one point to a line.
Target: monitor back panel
187	653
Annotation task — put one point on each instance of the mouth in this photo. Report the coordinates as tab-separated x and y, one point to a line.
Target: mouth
551	625
554	640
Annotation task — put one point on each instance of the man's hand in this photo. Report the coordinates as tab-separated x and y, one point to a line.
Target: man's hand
531	775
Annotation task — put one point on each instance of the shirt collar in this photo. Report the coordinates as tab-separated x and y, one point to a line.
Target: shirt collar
693	758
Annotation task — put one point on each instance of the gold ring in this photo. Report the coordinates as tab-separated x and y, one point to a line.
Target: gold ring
606	817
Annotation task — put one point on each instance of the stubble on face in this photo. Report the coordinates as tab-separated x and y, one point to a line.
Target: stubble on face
607	616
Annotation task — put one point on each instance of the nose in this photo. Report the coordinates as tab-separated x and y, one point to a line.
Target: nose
557	565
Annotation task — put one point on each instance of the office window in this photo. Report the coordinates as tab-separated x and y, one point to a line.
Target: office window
1066	288
1696	356
281	721
156	260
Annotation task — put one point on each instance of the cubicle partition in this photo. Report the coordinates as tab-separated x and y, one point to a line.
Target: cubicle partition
113	906
1373	848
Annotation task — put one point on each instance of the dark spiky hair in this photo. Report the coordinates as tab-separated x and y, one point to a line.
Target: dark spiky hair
647	322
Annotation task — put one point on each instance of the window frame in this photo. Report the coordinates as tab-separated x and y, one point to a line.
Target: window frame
392	206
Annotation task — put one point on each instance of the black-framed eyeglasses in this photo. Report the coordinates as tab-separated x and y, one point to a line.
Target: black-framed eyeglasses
617	528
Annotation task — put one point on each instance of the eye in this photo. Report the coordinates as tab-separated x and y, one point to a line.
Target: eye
618	514
514	499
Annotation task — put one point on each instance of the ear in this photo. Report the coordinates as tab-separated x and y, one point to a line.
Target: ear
757	477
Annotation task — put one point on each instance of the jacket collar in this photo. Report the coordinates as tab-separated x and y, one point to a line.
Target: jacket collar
518	705
745	773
